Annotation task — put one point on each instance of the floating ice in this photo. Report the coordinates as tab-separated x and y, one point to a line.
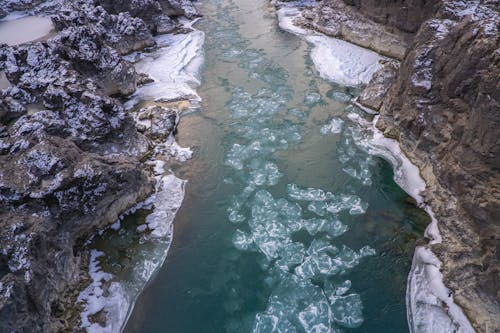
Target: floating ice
335	126
348	310
267	224
332	227
312	99
309	194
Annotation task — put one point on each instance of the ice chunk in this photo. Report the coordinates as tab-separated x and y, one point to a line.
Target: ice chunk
312	99
243	240
315	318
265	323
335	126
331	226
308	194
348	310
291	255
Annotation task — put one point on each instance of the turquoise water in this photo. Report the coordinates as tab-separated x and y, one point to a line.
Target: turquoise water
287	225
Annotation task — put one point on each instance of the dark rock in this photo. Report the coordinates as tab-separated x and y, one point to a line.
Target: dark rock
143	78
71	165
121	32
158	122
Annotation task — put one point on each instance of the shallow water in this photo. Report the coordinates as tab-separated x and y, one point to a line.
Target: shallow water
26	29
287	223
4	83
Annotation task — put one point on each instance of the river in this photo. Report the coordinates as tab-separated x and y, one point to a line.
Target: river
288	224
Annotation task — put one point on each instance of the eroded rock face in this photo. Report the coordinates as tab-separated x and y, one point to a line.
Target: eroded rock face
70	154
406	15
374	94
334	18
445	104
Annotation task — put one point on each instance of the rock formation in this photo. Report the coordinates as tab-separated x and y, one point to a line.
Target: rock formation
70	154
445	105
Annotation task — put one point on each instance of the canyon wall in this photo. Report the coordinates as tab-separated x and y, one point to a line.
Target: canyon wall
444	108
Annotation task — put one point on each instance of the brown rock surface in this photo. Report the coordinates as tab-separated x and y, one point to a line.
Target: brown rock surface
445	104
336	19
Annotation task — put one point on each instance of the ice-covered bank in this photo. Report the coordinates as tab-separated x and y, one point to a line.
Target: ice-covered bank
336	60
430	304
175	66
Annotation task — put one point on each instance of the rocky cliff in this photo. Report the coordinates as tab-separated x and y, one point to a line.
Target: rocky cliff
444	108
442	102
71	157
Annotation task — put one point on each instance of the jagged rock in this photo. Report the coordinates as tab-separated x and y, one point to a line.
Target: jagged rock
122	32
179	8
445	105
8	6
143	78
373	95
157	122
73	164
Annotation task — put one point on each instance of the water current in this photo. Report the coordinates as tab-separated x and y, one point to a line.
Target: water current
288	223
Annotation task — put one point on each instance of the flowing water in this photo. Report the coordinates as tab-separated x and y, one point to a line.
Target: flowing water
288	224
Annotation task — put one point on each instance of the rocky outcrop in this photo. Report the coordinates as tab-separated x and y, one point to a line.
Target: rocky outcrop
374	94
445	105
334	18
71	155
406	15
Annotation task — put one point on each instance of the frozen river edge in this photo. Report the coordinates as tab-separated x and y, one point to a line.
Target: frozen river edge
430	305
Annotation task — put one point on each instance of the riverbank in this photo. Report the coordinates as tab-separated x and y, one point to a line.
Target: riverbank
74	158
465	246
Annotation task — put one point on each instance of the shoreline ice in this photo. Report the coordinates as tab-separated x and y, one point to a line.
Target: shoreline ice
175	66
426	292
352	70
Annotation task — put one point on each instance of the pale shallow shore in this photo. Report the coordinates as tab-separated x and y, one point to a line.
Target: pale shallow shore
175	67
430	305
